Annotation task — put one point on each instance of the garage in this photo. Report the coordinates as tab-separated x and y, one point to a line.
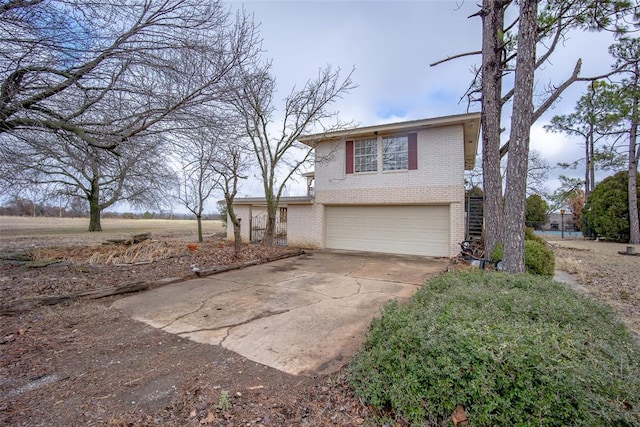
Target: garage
411	230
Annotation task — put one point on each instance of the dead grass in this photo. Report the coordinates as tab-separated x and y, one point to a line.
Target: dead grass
143	252
24	233
605	274
573	266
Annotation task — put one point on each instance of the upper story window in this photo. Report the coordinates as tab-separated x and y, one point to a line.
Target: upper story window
395	153
365	155
399	152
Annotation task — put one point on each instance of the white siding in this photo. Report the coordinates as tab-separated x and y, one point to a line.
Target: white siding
243	212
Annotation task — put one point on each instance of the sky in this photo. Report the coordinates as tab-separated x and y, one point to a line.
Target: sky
391	44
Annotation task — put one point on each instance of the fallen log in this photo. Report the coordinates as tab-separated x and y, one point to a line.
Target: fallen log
27	304
126	289
239	265
136	238
30	303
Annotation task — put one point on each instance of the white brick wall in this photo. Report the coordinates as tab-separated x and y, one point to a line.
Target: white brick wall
303	224
439	180
303	230
243	212
440	163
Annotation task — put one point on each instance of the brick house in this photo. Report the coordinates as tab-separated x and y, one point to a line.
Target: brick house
393	188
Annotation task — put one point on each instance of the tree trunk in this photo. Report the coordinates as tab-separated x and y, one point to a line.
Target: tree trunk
269	233
237	230
94	209
592	163
634	221
237	236
272	209
521	119
587	186
94	216
199	220
492	24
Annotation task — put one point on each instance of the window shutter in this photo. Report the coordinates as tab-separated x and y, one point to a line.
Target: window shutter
349	157
413	151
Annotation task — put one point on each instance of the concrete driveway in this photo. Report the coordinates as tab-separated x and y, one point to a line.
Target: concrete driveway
302	315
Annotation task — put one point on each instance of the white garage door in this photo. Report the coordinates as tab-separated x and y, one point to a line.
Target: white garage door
414	230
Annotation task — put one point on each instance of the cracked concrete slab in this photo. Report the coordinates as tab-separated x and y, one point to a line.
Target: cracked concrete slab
305	315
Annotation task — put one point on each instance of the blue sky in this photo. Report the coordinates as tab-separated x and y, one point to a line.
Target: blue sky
391	44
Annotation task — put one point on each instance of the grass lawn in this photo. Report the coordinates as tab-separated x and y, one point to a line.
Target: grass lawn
22	233
28	226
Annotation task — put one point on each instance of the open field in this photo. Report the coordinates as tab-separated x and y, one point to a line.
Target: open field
19	233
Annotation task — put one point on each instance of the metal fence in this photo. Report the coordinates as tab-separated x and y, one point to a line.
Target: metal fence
259	226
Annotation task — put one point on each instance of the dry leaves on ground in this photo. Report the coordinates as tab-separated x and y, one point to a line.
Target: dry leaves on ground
607	275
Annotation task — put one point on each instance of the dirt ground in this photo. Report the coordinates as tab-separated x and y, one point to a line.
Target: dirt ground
84	363
606	274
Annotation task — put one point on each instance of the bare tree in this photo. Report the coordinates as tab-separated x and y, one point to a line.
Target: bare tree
595	122
104	72
278	154
212	157
196	153
80	77
138	176
537	173
232	164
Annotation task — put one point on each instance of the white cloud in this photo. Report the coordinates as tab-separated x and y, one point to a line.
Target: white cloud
392	43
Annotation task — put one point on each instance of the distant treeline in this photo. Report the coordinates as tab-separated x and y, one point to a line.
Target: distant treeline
25	207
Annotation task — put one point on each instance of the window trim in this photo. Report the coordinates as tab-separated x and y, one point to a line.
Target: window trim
404	151
375	163
412	154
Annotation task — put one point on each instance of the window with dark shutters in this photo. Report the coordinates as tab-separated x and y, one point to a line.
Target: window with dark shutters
398	153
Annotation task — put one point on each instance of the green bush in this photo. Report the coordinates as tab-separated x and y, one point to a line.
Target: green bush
538	258
529	234
606	212
513	349
535	211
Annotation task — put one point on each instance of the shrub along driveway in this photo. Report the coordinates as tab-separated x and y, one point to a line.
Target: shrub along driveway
304	315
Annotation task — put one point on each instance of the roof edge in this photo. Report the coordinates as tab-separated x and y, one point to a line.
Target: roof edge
313	139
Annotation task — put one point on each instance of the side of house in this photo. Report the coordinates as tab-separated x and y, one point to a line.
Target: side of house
394	188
